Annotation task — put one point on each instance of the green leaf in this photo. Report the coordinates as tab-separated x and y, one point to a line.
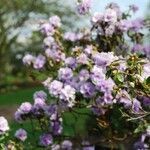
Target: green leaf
148	80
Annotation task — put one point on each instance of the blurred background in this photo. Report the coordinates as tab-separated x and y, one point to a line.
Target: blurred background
19	24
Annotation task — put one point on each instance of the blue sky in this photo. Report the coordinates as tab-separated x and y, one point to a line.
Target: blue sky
99	5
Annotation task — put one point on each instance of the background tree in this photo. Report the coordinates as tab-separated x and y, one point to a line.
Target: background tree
17	33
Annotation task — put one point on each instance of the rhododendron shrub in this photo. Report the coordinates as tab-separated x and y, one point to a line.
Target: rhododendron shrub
101	74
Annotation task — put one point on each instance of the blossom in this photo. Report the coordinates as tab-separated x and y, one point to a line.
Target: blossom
97	17
104	59
87	146
146	71
39	62
18	116
48	41
28	59
55	21
109	30
55	55
134	8
84	75
21	134
51	111
66	144
47	82
97	75
87	89
40	94
55	87
124	25
84	6
68	94
88	49
3	125
39	103
137	24
56	127
25	108
47	29
70	62
46	139
137	48
55	147
124	98
82	59
116	8
65	73
110	16
136	105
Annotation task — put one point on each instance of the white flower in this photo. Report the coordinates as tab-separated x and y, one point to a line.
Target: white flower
28	59
68	94
3	125
97	17
146	71
110	15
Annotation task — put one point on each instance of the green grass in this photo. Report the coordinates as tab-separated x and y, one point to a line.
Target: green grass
18	96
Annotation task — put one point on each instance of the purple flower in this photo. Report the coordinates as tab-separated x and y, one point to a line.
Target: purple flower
140	146
146	50
106	86
97	75
25	108
46	140
124	25
146	101
88	49
55	55
28	59
48	41
18	116
124	98
21	135
39	103
55	147
40	94
55	21
98	110
110	16
136	105
57	127
104	59
3	125
47	29
137	48
84	75
82	59
67	145
68	94
134	8
70	62
39	62
146	71
137	24
97	17
84	6
87	89
51	111
87	146
70	36
65	74
55	88
109	30
115	7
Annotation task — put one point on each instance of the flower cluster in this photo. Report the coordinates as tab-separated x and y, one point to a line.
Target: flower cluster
95	70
